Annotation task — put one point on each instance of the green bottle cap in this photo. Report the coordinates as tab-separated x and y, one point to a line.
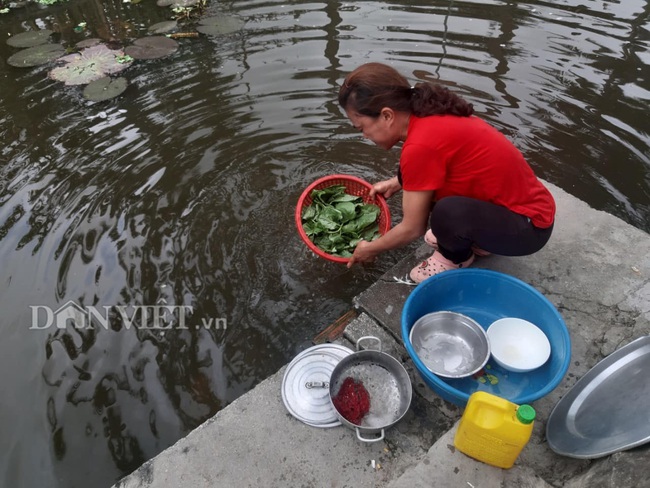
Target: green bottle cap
525	414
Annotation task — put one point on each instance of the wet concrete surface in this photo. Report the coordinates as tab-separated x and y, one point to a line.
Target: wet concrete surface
595	270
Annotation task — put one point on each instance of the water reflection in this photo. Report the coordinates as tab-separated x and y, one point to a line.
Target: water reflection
182	191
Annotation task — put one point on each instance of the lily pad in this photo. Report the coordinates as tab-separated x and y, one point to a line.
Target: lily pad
89	64
220	25
163	27
37	55
30	39
105	89
151	47
93	41
184	3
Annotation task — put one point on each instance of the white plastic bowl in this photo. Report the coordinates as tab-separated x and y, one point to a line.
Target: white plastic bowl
518	345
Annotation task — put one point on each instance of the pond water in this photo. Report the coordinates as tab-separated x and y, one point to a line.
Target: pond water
181	193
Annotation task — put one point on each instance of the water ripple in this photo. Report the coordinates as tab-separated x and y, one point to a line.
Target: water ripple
182	192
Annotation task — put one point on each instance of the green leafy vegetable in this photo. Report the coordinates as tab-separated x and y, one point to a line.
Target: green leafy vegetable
337	221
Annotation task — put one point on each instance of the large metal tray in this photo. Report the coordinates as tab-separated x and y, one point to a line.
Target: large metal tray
606	411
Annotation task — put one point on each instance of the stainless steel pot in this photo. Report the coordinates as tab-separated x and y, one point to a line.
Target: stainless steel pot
388	385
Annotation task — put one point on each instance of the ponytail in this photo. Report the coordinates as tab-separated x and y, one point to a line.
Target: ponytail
373	86
430	99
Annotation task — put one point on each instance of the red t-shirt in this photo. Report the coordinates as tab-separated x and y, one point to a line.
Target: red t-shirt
465	156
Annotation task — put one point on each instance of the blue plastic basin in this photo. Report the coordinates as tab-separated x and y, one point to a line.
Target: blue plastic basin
486	296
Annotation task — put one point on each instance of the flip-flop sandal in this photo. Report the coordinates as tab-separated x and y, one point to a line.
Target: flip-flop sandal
431	240
436	264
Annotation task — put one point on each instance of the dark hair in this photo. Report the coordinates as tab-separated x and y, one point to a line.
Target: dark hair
373	86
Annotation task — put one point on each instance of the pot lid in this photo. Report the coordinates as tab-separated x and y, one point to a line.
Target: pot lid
305	386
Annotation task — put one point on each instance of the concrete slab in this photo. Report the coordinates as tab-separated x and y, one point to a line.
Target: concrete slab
452	469
256	442
595	270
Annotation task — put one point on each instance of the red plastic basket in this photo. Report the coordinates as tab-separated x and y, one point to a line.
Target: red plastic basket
353	186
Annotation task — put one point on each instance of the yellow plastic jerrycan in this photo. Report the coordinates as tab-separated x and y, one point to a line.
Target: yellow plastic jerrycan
494	430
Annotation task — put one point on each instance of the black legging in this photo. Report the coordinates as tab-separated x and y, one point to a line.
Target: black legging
460	222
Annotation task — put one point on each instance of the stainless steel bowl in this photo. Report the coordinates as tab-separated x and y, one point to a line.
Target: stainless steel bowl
450	344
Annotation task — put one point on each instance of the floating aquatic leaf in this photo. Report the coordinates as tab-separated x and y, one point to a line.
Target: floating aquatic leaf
37	55
88	43
105	89
30	39
151	47
220	25
88	65
184	3
163	27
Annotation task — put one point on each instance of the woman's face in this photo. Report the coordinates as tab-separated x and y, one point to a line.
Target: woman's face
381	130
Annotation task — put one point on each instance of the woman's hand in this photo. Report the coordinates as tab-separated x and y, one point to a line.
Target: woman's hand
387	188
416	207
362	254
